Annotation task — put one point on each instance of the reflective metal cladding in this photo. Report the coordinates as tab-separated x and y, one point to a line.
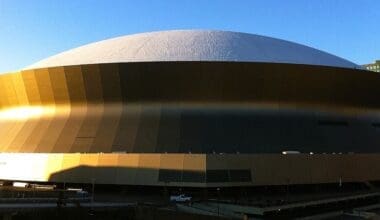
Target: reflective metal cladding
190	123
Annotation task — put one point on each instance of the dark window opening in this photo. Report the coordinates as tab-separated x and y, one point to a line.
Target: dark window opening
240	176
214	176
169	176
193	176
211	176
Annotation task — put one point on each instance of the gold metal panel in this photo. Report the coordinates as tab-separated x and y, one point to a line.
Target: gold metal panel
70	163
75	84
194	162
44	86
128	166
9	88
54	165
54	129
90	160
128	160
19	88
11	133
217	162
18	143
110	80
122	107
149	165
70	131
38	133
110	84
31	87
237	161
8	98
146	138
108	160
107	128
8	130
3	95
128	127
87	132
87	168
93	84
169	131
95	110
106	168
10	121
172	161
59	85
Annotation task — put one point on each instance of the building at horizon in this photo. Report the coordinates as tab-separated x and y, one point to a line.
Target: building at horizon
375	67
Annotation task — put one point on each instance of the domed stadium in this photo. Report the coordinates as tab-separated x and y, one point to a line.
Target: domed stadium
191	108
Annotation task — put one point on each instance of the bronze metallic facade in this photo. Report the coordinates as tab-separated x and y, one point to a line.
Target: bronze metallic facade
193	123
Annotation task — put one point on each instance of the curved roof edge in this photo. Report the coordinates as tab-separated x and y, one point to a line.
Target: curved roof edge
193	45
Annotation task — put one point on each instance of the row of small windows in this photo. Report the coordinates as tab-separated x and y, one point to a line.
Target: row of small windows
374	67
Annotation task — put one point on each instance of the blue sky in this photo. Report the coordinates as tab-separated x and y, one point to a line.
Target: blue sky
33	30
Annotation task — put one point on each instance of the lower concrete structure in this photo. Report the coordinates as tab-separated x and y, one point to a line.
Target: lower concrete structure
193	170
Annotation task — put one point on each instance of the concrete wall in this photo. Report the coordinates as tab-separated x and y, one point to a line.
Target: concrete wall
196	170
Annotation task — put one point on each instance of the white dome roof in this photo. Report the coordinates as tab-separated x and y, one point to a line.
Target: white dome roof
193	45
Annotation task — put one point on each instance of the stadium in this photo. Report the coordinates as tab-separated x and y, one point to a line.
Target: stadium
191	108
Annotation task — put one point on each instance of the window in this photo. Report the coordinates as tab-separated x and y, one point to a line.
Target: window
169	176
240	176
193	176
213	176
